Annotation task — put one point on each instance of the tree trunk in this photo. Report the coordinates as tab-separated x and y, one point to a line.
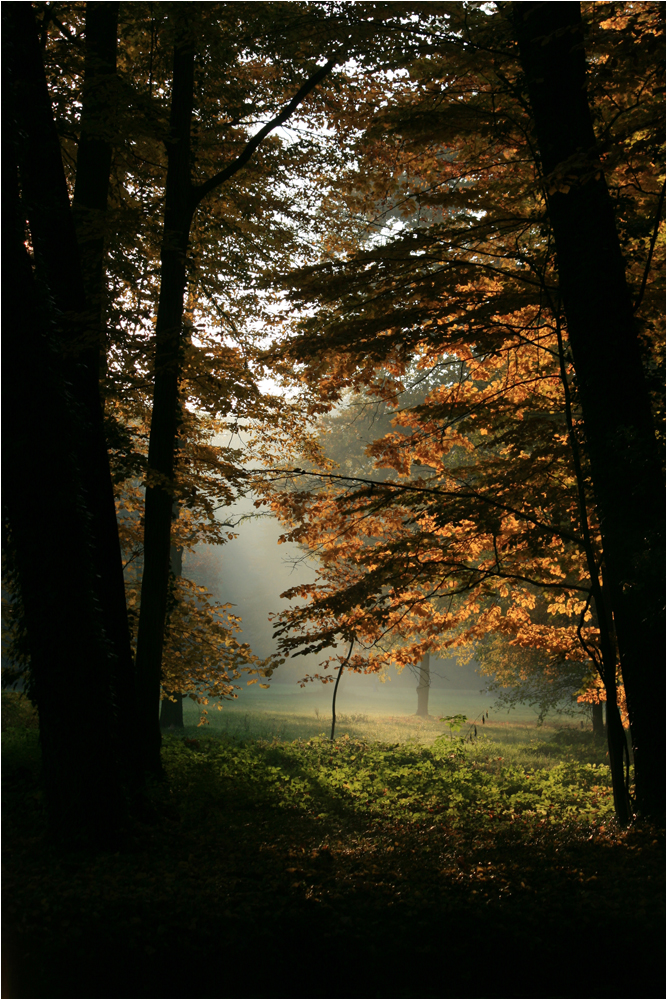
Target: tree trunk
605	658
171	706
424	685
179	206
181	200
58	269
89	208
598	721
93	167
69	657
624	456
50	539
171	711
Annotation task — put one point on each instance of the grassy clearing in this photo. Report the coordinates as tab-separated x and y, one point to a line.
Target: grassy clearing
363	868
263	724
462	783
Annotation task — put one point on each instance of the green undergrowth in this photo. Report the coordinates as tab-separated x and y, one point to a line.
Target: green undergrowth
460	782
264	857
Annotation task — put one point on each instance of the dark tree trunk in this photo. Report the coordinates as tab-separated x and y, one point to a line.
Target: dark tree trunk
424	685
179	206
58	269
617	744
598	720
93	167
604	658
171	711
624	456
171	706
181	200
69	656
89	208
51	538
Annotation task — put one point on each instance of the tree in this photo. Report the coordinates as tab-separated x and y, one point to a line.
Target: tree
211	38
626	464
181	200
440	257
520	674
174	351
192	82
89	211
55	438
469	282
424	685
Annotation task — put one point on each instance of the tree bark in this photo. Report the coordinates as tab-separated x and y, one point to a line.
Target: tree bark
598	721
58	269
624	456
69	656
424	685
51	538
93	167
89	207
605	658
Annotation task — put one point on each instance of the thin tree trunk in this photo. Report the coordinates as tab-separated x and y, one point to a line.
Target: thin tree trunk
598	720
179	207
624	456
181	201
171	706
335	691
424	685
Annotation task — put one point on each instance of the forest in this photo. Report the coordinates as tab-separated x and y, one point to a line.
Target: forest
390	278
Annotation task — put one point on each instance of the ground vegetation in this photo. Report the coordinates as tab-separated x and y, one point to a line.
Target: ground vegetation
386	849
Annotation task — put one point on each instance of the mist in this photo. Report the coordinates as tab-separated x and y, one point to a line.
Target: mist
252	571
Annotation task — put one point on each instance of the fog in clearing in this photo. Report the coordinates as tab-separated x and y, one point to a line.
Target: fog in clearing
251	572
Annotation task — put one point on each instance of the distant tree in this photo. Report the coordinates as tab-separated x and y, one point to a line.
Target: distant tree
424	686
521	675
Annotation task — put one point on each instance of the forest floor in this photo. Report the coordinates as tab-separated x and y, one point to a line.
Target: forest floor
364	868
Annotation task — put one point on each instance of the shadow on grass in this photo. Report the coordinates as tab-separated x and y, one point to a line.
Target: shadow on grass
265	876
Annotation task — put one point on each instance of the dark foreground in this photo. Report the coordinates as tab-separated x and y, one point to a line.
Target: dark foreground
261	875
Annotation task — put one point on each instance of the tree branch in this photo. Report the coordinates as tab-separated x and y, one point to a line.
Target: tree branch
201	190
651	249
470	494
